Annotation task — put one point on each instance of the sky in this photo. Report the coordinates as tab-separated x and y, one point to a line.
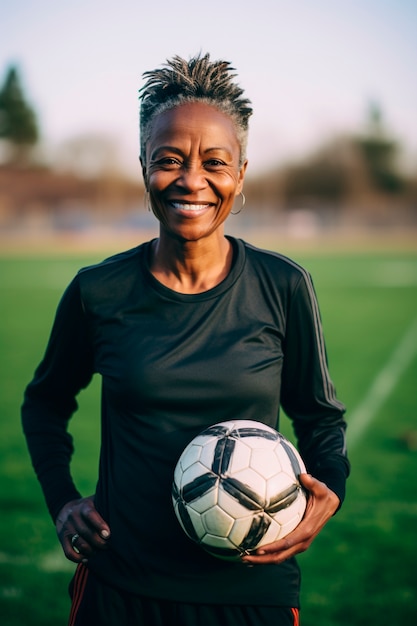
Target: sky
310	67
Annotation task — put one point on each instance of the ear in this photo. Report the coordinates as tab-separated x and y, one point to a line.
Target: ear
241	177
144	173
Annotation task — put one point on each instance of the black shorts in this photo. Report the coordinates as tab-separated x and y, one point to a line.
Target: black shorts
96	604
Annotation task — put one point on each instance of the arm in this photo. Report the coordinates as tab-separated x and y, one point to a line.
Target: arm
49	403
308	397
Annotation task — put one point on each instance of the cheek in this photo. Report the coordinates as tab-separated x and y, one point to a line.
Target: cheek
232	190
156	181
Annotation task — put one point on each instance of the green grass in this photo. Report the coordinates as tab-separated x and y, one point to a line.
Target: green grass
361	569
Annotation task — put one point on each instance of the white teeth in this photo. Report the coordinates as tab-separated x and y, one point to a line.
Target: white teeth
188	207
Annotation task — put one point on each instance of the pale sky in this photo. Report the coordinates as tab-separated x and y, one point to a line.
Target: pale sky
310	67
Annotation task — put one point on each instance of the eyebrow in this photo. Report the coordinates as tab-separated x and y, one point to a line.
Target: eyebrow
162	148
169	148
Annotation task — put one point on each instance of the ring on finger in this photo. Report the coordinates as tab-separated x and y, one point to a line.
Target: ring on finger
73	540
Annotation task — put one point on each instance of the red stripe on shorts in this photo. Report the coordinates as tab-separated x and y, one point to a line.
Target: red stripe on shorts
80	581
296	616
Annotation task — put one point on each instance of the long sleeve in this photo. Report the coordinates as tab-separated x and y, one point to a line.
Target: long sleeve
308	395
50	400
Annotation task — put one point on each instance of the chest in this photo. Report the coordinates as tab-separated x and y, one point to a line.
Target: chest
158	355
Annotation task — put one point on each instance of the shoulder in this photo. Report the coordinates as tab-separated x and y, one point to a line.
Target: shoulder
276	264
112	276
115	263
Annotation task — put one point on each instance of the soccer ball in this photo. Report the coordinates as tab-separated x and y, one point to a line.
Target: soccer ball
236	488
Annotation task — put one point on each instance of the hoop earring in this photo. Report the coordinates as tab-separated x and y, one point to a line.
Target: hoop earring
243	204
146	200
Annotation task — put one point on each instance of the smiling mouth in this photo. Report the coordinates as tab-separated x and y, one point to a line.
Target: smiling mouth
180	206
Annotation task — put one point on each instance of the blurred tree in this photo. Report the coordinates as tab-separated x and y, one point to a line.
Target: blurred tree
321	180
380	152
18	124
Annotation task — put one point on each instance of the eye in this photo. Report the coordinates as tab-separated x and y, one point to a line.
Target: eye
214	164
167	163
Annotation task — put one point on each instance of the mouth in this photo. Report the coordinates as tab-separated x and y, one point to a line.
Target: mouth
190	207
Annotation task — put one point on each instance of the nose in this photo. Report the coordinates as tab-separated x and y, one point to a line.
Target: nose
192	178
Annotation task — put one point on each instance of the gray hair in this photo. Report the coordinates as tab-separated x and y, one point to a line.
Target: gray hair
199	79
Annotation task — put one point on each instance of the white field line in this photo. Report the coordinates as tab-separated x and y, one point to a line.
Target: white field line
383	384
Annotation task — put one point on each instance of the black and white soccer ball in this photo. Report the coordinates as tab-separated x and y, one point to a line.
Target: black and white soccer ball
236	487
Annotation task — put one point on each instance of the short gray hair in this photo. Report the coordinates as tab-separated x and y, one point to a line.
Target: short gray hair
197	80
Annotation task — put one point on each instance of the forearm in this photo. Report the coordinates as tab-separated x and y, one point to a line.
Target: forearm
322	445
50	448
50	400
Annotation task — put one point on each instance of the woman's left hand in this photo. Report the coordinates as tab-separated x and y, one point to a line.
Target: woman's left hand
321	505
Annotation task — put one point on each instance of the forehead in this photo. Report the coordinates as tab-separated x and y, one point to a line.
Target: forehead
197	120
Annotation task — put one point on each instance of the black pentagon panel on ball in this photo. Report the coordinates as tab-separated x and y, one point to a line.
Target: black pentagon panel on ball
199	486
223	454
255	432
243	494
295	463
283	500
217	430
258	528
185	520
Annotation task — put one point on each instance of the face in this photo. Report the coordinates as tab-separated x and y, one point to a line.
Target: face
192	171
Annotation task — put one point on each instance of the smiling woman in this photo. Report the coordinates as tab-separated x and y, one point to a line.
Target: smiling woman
193	154
187	330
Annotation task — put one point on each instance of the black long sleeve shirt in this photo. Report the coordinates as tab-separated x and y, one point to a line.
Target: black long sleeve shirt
171	365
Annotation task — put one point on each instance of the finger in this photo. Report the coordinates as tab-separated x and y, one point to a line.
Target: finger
75	546
74	540
275	557
83	518
71	549
81	547
88	537
93	519
278	551
307	480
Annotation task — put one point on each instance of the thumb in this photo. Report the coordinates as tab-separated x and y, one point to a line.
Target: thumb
307	481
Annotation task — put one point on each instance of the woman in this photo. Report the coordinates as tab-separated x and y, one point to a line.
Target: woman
186	330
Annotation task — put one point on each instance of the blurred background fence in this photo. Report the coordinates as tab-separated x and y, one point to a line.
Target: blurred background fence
350	184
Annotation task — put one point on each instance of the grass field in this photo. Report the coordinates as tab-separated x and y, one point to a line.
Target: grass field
362	569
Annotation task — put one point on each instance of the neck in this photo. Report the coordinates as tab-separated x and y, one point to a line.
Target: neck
191	266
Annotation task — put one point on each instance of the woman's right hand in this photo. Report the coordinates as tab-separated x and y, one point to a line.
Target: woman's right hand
81	529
